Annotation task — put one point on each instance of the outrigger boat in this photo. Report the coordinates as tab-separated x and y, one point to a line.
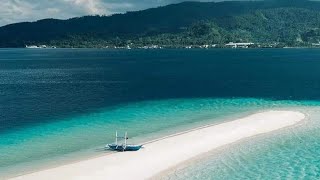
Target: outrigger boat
123	147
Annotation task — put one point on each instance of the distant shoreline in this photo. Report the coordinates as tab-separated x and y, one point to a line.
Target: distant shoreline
164	48
166	152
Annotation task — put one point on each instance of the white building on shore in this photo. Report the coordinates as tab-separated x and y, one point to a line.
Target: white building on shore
238	45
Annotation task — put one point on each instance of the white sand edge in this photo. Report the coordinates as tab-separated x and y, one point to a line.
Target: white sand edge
159	156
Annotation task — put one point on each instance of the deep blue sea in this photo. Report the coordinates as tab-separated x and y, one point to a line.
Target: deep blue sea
58	105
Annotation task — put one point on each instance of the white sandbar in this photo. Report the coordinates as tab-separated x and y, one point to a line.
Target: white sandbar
161	155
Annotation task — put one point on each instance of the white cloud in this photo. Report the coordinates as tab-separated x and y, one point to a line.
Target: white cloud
14	10
88	6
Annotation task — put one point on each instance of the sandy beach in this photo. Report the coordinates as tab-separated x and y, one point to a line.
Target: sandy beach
163	154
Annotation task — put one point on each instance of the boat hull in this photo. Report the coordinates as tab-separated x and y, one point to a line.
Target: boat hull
124	148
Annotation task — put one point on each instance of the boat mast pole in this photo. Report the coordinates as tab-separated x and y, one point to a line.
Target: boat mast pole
125	140
116	137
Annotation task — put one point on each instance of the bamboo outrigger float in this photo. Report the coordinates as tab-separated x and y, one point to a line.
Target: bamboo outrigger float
123	147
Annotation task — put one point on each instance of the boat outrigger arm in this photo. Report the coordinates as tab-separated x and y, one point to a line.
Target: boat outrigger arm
123	147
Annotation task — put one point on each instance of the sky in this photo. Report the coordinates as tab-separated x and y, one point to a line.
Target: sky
12	11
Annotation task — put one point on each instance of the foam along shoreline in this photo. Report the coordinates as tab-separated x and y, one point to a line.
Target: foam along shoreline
161	155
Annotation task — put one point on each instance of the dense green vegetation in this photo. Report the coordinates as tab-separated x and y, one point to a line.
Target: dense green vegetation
279	23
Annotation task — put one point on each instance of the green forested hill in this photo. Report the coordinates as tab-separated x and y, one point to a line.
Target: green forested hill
287	22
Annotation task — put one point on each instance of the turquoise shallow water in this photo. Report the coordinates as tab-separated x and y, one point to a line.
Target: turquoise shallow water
144	121
83	136
292	153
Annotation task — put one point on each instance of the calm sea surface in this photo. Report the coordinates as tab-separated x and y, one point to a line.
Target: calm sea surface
62	104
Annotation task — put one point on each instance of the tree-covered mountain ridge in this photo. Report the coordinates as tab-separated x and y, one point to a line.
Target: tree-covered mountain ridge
267	23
